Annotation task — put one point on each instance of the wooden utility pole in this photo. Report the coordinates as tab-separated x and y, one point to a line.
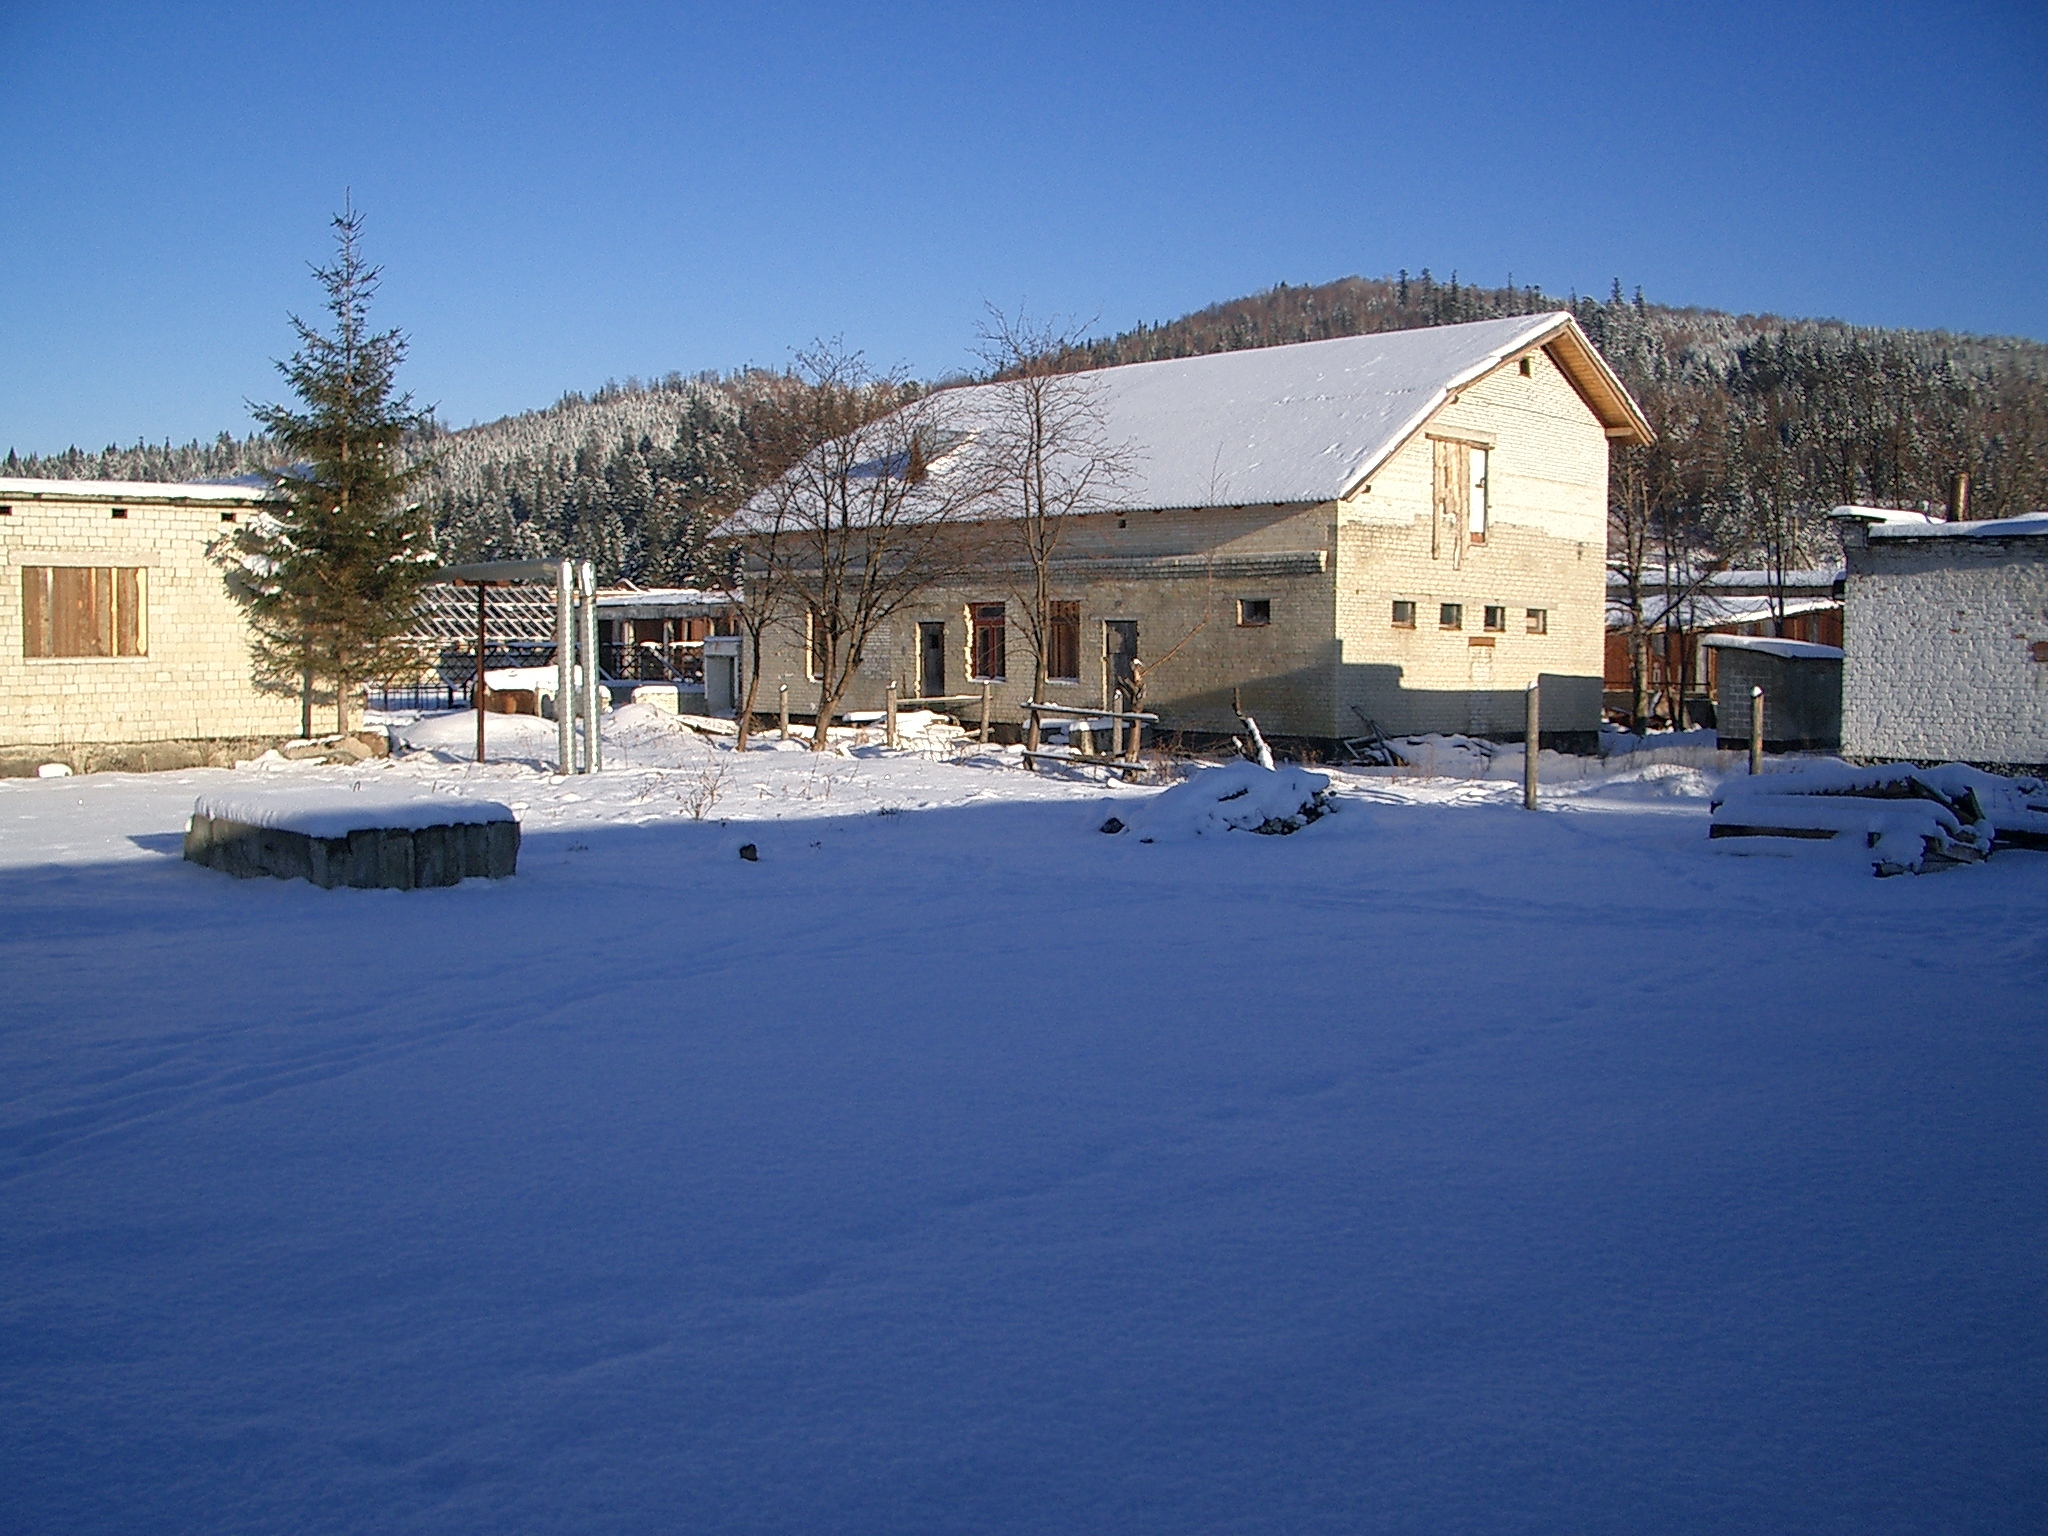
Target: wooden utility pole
1756	730
1532	737
782	697
889	715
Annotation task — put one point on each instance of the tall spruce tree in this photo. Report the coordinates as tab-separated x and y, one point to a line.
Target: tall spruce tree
332	576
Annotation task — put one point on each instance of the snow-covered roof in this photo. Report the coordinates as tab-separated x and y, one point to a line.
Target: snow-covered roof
656	602
1819	576
1708	610
23	488
1791	650
1888	516
2032	524
1291	424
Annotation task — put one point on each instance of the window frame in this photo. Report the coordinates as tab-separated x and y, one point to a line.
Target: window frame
985	620
1254	612
1479	494
817	657
1450	616
1487	622
1398	621
1062	641
1536	620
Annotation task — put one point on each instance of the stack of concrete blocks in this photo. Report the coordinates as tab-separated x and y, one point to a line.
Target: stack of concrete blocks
367	858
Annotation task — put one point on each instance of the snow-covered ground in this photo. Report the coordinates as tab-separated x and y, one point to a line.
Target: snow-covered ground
956	1167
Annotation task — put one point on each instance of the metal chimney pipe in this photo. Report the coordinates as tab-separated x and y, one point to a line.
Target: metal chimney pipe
1959	496
565	669
593	747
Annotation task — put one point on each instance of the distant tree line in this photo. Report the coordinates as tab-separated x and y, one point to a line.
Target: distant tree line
1763	424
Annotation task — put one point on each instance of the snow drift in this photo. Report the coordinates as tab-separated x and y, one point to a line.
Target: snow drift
1238	797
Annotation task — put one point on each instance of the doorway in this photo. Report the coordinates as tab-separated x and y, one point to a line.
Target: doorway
931	660
1120	649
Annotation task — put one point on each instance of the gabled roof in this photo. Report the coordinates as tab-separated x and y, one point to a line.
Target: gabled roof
1307	422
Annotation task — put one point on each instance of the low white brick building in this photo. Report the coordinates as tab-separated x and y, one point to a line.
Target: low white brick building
120	643
1945	638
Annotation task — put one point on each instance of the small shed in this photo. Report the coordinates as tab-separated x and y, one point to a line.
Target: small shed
1802	684
1946	637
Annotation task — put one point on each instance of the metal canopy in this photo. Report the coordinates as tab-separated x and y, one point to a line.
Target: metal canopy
500	573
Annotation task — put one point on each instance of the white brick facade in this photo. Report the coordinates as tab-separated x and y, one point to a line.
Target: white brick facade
195	683
1945	648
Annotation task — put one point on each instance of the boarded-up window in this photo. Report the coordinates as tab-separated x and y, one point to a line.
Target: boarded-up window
989	642
1063	642
84	610
1460	481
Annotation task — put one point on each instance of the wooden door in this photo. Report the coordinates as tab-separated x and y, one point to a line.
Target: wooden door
931	660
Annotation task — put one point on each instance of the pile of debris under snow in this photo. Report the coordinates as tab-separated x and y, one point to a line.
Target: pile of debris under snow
1237	797
1912	819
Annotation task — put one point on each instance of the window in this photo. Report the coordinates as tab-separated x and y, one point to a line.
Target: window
1252	612
1539	620
989	637
1496	620
76	610
1526	369
120	511
1451	616
6	511
1063	642
817	646
1404	614
1478	528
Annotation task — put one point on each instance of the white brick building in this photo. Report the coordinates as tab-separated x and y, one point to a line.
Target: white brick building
1409	526
120	645
1945	638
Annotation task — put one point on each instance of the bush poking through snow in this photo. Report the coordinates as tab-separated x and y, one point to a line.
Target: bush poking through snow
1237	797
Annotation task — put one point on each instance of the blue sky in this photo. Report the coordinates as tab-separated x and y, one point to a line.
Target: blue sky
564	195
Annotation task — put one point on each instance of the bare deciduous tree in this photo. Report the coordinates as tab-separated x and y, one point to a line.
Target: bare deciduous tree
864	518
1046	451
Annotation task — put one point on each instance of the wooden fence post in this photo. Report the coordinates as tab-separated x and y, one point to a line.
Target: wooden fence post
1756	730
1116	727
1532	749
984	714
889	714
782	695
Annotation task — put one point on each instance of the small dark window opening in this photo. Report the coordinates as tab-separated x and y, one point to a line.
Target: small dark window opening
1527	370
1451	616
1063	642
1496	620
120	511
990	634
6	511
1253	612
1539	621
227	517
1404	614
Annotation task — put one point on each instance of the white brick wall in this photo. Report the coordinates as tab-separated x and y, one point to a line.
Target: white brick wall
197	680
1937	640
1546	547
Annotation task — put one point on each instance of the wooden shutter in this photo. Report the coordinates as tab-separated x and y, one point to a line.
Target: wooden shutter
38	637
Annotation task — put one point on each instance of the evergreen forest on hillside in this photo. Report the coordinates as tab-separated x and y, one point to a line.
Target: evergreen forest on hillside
1763	424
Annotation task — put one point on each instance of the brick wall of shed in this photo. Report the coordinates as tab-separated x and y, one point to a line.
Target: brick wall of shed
1938	639
197	681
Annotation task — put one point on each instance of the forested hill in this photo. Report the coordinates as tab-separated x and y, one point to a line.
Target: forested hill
1763	424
